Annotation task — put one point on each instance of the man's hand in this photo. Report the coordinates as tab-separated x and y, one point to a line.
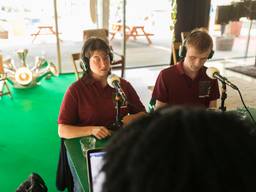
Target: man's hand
128	118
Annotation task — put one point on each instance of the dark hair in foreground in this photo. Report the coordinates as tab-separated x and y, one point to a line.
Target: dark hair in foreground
182	150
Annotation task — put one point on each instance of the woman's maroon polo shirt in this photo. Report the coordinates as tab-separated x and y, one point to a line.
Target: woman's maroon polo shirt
88	103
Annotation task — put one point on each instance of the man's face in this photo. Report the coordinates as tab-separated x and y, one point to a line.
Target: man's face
194	59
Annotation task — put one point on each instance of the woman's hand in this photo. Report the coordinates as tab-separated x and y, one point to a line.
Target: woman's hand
100	132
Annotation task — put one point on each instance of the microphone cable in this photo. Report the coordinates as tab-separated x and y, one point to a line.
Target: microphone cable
248	111
210	73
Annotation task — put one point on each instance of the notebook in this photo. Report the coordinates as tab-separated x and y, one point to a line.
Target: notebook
94	165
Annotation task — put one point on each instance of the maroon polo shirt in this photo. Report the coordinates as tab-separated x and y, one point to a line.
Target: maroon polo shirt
86	102
174	87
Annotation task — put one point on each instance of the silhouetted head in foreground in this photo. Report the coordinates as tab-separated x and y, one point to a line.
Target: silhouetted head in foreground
182	150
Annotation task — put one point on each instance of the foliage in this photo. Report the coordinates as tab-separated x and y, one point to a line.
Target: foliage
173	17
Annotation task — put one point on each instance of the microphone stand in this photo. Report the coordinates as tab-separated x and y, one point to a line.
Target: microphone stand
118	123
223	97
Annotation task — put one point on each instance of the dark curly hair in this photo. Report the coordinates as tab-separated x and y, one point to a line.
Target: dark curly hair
182	150
90	45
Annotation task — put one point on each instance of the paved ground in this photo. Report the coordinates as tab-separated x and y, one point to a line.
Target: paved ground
138	53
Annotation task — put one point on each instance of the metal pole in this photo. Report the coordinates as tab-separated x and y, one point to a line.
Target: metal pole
248	40
105	14
100	13
223	97
57	36
255	61
124	33
93	11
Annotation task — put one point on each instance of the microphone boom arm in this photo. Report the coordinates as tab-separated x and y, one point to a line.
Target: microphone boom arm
225	80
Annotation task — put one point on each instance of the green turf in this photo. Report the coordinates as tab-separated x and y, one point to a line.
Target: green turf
28	132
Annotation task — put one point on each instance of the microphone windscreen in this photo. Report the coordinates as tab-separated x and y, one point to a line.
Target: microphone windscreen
210	71
111	78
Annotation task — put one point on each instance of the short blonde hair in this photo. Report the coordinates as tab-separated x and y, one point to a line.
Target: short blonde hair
199	39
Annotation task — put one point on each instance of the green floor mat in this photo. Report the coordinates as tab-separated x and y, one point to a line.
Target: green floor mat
29	140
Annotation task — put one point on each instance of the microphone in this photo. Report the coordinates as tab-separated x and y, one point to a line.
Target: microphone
214	73
114	82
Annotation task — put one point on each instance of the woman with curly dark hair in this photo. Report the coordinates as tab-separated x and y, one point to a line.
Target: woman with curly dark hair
88	107
182	150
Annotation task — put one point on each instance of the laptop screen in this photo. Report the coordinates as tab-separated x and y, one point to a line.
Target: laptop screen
94	165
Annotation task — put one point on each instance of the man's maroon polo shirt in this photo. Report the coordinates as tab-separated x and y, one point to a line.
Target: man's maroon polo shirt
174	87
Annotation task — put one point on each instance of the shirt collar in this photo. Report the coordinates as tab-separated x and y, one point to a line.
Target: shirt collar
180	68
87	79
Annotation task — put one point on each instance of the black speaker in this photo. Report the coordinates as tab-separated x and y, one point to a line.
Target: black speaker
183	49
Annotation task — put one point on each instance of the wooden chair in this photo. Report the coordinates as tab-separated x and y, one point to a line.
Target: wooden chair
118	60
3	78
184	35
176	47
175	52
101	33
76	65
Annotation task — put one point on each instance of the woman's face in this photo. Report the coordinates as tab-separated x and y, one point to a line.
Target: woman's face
99	64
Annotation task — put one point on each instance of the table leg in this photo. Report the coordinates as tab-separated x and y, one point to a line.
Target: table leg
148	39
35	35
53	32
113	35
115	29
134	33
